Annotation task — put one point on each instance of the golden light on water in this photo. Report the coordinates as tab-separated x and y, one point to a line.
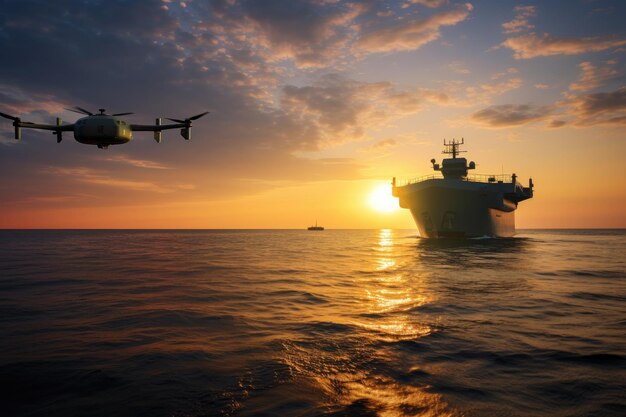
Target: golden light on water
381	200
385	310
390	292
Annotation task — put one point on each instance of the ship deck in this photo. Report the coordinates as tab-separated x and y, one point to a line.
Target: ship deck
481	178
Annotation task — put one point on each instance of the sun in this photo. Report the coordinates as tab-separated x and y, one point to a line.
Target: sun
381	199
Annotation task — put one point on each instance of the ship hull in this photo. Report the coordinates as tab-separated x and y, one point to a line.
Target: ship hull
454	208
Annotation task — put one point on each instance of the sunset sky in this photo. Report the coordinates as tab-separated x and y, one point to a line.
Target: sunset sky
315	105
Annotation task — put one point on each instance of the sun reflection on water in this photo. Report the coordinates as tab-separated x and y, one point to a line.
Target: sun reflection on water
389	291
350	382
352	368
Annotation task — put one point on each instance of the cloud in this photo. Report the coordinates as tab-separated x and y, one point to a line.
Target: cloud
557	123
508	71
411	35
593	77
520	22
381	147
583	110
533	45
139	163
433	4
93	177
586	110
484	92
458	67
493	89
18	102
310	33
509	115
339	109
608	108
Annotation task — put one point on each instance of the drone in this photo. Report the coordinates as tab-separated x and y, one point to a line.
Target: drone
103	129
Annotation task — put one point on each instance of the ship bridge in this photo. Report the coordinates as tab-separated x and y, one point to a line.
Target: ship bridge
453	168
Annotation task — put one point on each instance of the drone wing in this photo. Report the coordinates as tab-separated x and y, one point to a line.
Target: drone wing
157	128
57	129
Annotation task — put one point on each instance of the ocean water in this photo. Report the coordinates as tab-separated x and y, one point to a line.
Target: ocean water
299	323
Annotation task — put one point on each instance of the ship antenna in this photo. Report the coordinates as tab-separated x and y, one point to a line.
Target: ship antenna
452	147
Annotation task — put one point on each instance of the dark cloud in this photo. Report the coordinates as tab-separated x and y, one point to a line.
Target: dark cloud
599	108
557	123
507	115
600	103
341	109
606	108
300	30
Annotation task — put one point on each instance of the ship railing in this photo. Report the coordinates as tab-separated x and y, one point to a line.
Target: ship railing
422	178
490	179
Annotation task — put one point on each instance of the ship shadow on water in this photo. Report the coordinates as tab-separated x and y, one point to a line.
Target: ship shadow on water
468	252
474	269
497	243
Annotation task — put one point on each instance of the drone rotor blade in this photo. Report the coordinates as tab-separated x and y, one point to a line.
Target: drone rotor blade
79	111
87	112
122	114
8	116
189	119
75	111
197	116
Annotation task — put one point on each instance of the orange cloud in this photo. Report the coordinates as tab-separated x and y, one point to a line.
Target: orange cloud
593	77
90	176
433	4
520	22
18	102
458	67
532	46
411	35
139	163
482	93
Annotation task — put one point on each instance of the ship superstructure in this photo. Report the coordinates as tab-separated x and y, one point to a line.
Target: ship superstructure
455	204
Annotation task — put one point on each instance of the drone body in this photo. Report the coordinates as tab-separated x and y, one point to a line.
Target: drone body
102	129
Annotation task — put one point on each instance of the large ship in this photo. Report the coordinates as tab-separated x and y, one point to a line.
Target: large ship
455	204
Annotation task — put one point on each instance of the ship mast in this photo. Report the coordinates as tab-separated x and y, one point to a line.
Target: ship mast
453	168
452	147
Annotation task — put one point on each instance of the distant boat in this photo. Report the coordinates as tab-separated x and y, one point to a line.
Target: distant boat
316	227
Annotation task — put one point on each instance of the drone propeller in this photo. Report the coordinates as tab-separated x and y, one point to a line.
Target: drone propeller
122	114
8	116
196	117
84	111
80	110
